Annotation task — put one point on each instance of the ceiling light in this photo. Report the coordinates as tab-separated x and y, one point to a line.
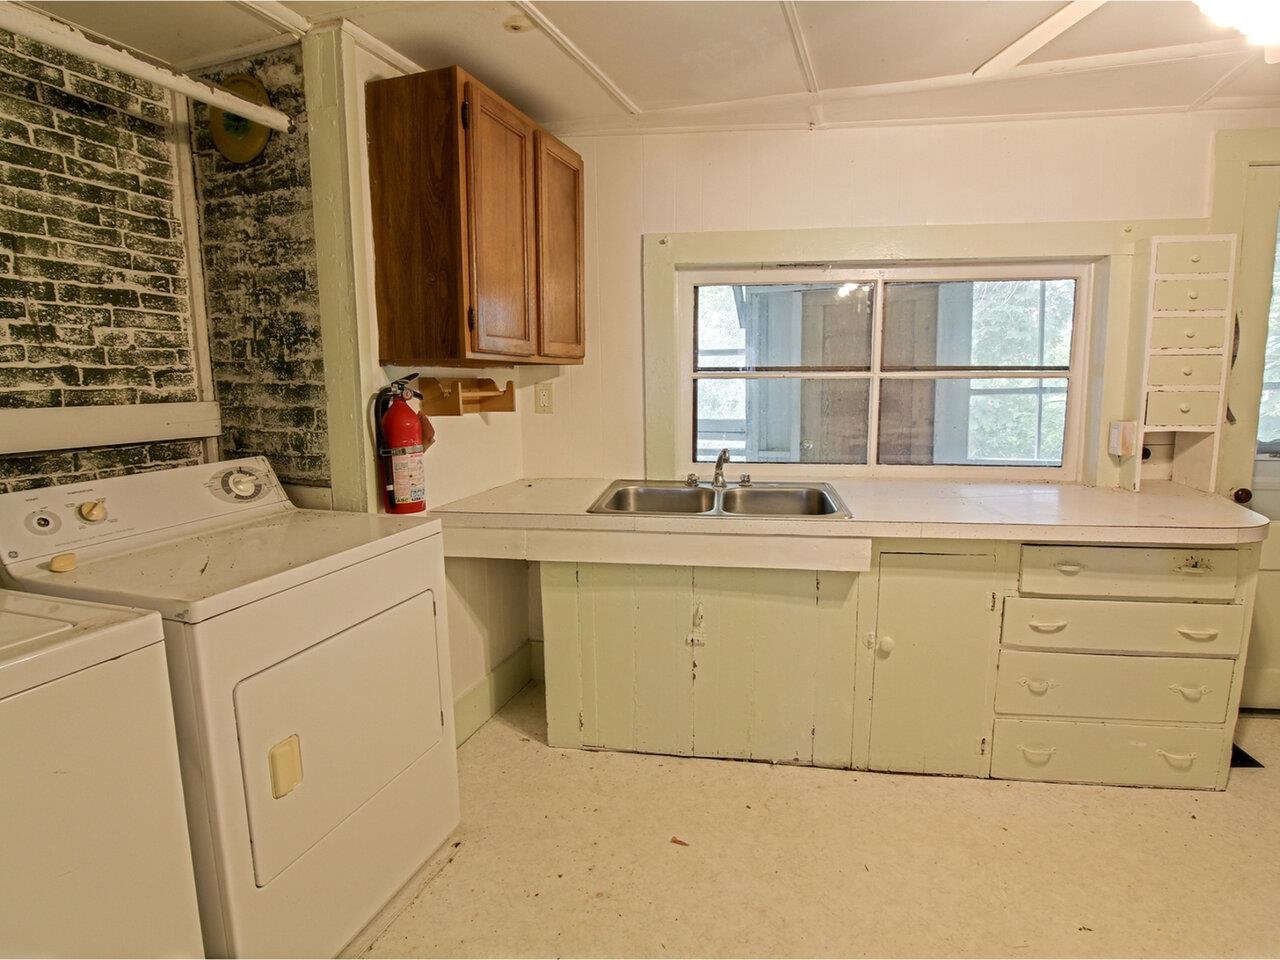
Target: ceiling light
1258	20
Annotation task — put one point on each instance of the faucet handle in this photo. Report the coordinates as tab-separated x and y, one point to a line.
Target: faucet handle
691	480
744	480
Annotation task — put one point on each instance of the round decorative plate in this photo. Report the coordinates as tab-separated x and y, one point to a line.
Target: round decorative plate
238	139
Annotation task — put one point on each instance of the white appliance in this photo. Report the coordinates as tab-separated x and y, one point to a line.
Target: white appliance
93	834
309	664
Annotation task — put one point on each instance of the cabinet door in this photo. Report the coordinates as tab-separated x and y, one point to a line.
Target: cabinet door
501	225
935	647
561	331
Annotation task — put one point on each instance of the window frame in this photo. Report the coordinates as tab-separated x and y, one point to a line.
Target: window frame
1076	375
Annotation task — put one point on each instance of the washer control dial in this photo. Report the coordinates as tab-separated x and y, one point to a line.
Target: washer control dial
92	511
241	484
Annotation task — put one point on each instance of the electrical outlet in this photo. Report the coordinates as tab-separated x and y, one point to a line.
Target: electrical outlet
543	399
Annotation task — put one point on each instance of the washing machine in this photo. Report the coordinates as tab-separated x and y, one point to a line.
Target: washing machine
93	832
309	665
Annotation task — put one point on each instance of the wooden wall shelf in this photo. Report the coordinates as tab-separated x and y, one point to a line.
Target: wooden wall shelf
453	398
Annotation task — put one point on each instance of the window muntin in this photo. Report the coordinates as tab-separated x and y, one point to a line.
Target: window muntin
901	368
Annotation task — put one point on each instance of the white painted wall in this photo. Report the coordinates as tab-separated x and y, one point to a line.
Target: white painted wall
1109	168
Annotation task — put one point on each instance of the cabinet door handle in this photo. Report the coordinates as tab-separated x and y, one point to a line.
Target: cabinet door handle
1069	567
1184	407
1038	687
1189	334
1179	761
885	645
1053	626
1194	694
1201	636
1037	755
1191	569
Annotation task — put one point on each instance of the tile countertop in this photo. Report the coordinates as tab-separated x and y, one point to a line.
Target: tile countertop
1163	513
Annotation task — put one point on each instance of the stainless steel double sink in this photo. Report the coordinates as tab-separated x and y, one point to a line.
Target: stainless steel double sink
676	499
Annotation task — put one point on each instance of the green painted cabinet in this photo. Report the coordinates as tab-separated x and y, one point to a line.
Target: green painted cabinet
934	647
702	661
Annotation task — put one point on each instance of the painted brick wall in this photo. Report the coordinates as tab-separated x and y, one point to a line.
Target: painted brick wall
257	236
93	281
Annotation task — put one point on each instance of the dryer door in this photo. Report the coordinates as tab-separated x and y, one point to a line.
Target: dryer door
363	705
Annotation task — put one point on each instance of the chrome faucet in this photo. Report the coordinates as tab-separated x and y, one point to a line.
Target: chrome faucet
717	478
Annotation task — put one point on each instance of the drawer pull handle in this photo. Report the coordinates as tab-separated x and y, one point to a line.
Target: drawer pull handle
1179	761
1036	755
1190	334
1193	295
1187	371
1195	258
1184	407
1054	626
1192	569
1038	687
1194	694
1201	636
1069	567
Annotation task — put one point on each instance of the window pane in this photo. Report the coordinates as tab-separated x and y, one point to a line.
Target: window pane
1003	422
782	420
978	323
790	325
1269	414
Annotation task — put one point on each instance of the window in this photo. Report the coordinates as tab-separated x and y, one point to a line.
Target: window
1269	412
893	368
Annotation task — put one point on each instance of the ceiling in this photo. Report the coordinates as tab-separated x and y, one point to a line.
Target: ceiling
616	67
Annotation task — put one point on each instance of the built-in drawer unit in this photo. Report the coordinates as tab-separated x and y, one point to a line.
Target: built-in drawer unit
1123	626
1182	408
1188	333
1190	293
1185	371
1120	753
1137	572
1108	687
1193	256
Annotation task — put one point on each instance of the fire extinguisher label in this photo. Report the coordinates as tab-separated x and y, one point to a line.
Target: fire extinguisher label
408	478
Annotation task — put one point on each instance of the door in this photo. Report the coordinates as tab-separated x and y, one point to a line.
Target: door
935	646
501	225
561	330
1251	457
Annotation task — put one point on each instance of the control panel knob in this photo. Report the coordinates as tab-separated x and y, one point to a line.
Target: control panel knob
242	484
92	511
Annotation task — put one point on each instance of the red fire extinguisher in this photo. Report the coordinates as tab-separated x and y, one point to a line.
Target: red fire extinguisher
403	437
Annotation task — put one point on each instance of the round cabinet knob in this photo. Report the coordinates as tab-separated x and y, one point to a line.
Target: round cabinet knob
242	484
884	646
1184	407
1195	258
1186	371
1190	334
1192	295
92	511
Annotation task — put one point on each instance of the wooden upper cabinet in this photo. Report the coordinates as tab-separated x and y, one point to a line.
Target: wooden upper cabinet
561	330
477	227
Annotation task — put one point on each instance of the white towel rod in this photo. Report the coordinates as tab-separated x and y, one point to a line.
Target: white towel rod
55	33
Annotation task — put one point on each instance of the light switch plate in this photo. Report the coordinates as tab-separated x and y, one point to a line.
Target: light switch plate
543	399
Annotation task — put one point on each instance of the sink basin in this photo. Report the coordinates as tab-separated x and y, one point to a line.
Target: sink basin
673	498
655	498
780	501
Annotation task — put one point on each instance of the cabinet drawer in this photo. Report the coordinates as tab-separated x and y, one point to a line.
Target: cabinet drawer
1194	256
1185	370
1199	333
1196	293
1141	573
1190	408
1128	754
1181	689
1123	626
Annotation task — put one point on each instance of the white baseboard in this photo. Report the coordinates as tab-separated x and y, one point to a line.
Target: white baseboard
483	699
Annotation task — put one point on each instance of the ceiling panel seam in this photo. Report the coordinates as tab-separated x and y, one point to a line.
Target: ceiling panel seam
798	41
571	49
